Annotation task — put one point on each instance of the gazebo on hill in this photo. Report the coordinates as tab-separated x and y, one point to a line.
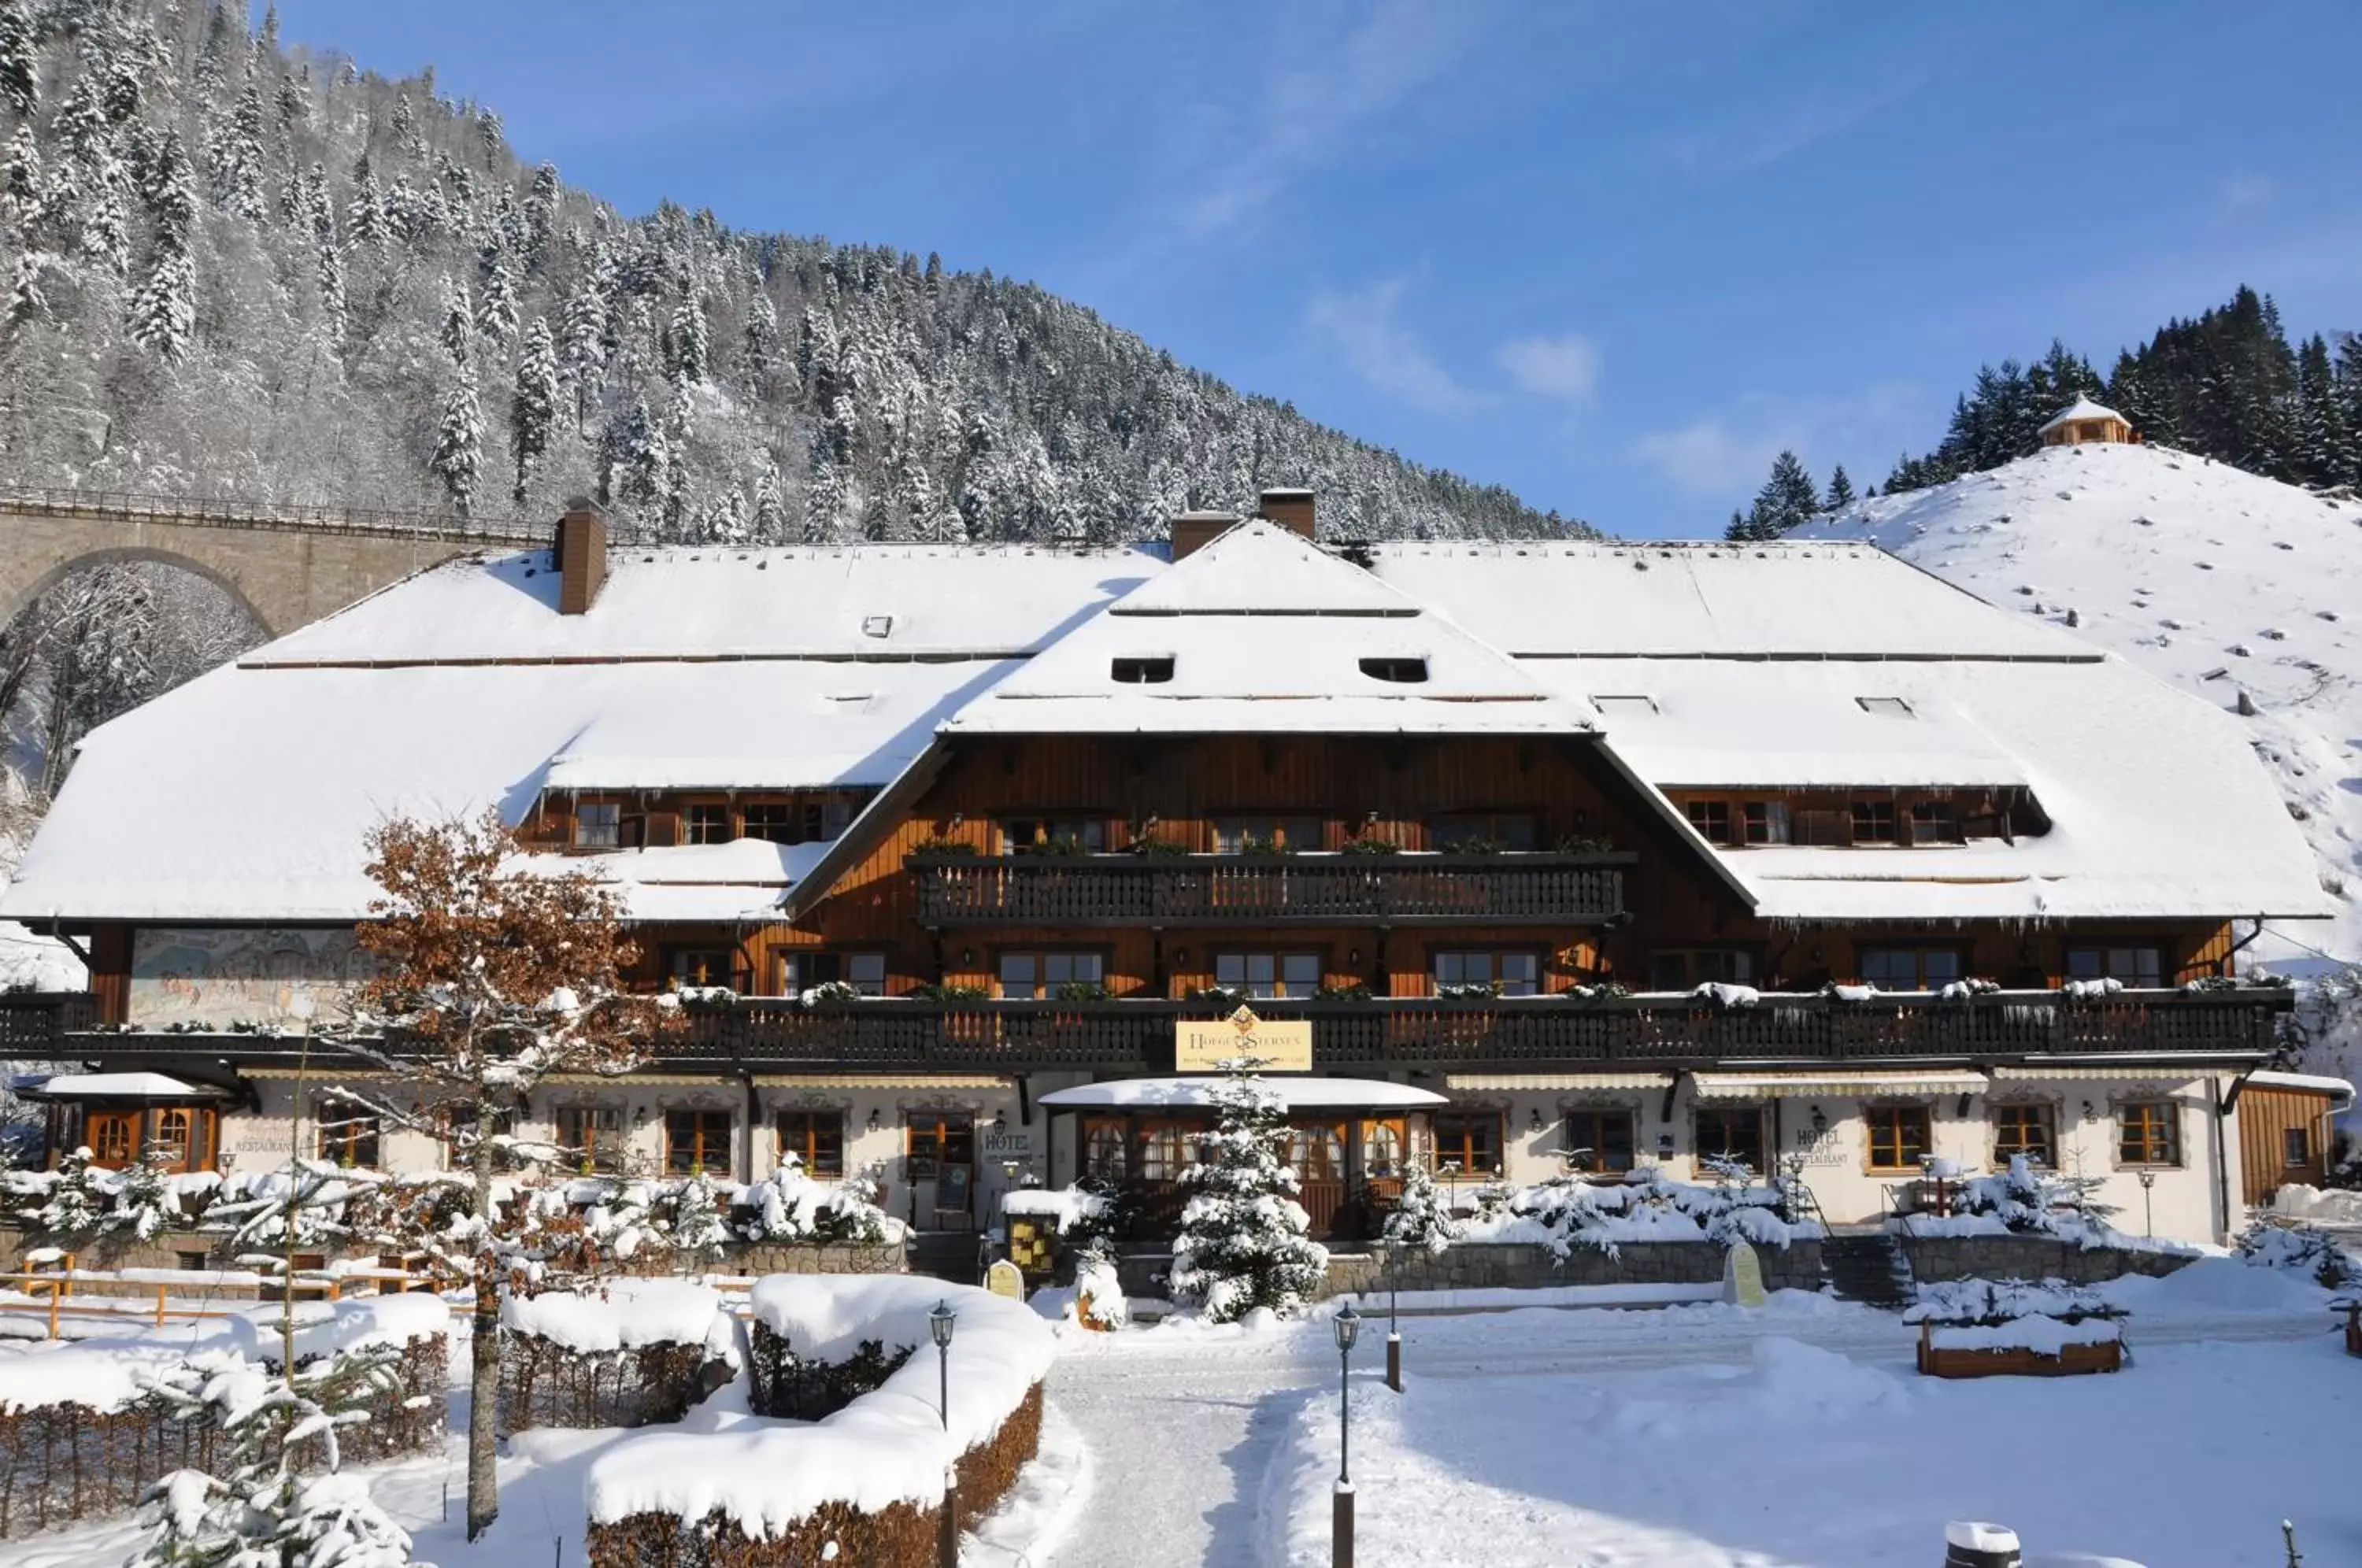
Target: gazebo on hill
2084	420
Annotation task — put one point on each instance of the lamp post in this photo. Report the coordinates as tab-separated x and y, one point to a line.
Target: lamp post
1394	1329
2148	1207
940	1323
1348	1324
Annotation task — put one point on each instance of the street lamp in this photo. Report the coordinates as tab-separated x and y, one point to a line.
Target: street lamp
940	1323
1348	1324
2149	1211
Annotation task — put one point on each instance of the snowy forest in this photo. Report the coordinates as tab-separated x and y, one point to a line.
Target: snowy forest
240	271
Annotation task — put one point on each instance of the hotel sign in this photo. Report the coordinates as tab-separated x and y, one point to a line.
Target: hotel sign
1272	1046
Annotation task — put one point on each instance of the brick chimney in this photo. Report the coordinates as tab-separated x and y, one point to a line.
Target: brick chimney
1291	509
1193	530
581	556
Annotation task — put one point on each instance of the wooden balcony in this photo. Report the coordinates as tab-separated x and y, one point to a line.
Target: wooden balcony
775	1035
1219	890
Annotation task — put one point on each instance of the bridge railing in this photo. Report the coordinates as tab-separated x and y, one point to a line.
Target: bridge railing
222	512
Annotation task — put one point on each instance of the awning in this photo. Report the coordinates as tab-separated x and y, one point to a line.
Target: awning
882	1081
2108	1070
1197	1094
123	1086
1775	1086
1513	1083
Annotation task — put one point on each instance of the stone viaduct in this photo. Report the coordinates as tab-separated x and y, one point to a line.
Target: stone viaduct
288	565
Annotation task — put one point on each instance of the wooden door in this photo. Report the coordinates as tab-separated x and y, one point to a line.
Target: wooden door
1316	1150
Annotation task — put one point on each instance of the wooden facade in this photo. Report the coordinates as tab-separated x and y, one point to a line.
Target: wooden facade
2285	1135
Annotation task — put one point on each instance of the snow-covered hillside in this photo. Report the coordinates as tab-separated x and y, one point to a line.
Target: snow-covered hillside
2221	582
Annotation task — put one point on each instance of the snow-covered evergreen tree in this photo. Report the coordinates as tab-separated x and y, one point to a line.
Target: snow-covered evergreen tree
1786	500
532	404
1840	492
770	520
144	1202
1423	1216
76	1206
1243	1242
460	440
19	68
496	313
698	1230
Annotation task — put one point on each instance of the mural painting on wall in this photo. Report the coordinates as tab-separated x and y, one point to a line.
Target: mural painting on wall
224	976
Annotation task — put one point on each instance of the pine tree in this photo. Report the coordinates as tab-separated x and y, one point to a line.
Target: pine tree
638	456
582	352
698	1232
458	334
460	441
20	67
1840	494
1243	1242
365	215
27	303
331	259
770	522
686	337
496	314
171	192
78	1201
1421	1219
1786	500
237	159
144	1202
533	405
162	315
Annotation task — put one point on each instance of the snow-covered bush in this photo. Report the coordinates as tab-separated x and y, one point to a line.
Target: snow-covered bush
1243	1242
697	1230
77	1200
2300	1249
1992	1301
792	1206
2039	1203
145	1200
1570	1211
1422	1218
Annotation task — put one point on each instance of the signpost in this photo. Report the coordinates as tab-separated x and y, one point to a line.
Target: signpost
1004	1278
1276	1046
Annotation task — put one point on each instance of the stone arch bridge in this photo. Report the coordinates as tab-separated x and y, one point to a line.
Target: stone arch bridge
287	565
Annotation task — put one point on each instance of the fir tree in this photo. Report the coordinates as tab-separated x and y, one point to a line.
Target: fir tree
238	160
1786	500
1840	494
698	1232
78	1201
171	192
533	405
638	456
686	340
460	441
1422	1218
27	303
1243	1242
458	334
19	68
496	315
365	214
770	502
162	316
331	260
144	1202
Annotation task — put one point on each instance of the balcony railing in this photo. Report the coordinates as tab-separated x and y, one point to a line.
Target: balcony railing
1213	890
33	1022
774	1034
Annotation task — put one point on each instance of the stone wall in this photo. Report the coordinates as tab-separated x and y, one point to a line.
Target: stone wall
1936	1258
845	1257
1486	1266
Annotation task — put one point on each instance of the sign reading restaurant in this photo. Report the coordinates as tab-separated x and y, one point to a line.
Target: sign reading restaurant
1274	1046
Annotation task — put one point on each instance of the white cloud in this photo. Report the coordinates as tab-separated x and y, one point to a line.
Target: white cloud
1566	366
1708	457
1363	328
1728	454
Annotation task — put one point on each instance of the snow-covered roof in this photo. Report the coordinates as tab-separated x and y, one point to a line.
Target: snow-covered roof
2339	1089
1295	1094
1261	568
741	880
2081	408
120	1085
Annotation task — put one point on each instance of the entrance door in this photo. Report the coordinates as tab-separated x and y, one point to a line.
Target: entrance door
942	1169
1386	1147
1316	1150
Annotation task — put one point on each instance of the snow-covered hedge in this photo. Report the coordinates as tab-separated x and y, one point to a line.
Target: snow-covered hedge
2020	1201
2045	1318
1567	1212
2300	1249
869	1477
626	1354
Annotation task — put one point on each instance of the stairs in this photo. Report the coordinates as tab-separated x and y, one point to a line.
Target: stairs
1868	1266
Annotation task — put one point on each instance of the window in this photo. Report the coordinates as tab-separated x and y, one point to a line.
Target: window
1318	1153
2149	1133
2142	966
1468	1142
1268	974
1401	671
706	823
1767	822
1884	707
826	819
1241	835
113	1137
1507	974
865	972
597	824
934	1138
699	966
1382	1150
1599	1140
697	1140
814	1137
1873	821
348	1132
1910	968
1169	1148
2024	1130
1932	822
1712	818
1142	671
184	1135
1482	831
1042	975
771	822
1825	825
2296	1147
1687	968
1731	1132
592	1137
1054	835
1104	1141
1898	1137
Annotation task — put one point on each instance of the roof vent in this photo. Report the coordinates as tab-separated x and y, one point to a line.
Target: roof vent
1402	671
1885	707
1629	704
877	626
1151	670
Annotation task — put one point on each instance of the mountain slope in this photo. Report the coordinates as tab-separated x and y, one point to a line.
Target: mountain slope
232	271
2221	582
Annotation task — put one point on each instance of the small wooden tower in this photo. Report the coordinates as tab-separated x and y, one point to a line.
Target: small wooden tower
2084	420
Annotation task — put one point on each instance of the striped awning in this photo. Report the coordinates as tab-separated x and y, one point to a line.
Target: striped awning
1513	1083
882	1081
1899	1080
2107	1070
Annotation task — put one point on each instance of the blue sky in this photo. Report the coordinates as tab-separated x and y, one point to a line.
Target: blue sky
1612	257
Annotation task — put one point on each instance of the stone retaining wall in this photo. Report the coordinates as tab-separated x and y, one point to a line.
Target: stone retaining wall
1936	1258
1796	1267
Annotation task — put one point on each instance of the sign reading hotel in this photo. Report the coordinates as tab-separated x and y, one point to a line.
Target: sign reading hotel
1274	1046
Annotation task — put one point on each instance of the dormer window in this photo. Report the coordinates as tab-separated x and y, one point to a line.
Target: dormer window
1625	705
1145	670
598	825
1884	707
1401	671
877	626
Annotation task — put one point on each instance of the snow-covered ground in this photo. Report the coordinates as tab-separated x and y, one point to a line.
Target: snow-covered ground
1698	1436
2214	579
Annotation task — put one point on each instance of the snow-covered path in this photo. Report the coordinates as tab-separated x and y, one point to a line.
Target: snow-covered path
1189	1429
